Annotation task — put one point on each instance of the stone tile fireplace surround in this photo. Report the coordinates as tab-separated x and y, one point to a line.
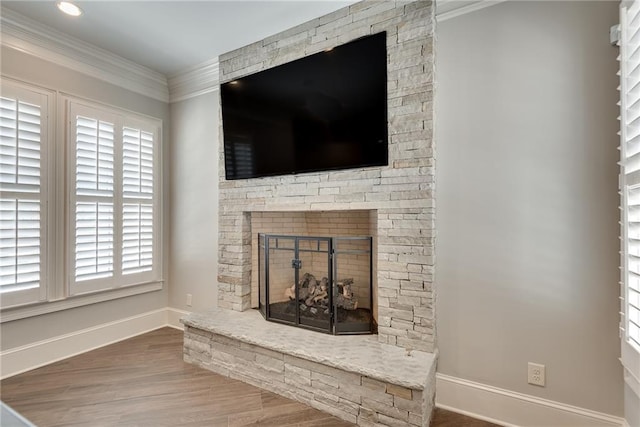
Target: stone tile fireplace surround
396	199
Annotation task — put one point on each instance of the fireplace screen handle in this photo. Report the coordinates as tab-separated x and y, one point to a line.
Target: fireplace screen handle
296	263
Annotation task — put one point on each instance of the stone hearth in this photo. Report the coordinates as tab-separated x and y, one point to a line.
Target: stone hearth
355	378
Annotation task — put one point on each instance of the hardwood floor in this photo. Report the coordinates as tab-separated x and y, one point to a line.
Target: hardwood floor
144	382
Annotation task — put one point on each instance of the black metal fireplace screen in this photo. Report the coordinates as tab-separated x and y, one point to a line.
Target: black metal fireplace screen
318	283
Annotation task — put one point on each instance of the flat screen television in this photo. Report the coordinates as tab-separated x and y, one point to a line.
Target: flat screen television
323	112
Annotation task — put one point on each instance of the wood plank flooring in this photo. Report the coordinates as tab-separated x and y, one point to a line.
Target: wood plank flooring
144	382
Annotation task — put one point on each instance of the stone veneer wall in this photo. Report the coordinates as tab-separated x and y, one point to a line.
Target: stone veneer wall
402	193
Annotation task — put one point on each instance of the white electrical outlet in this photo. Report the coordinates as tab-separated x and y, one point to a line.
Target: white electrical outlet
536	374
189	296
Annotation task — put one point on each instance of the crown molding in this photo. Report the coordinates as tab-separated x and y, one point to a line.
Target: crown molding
28	36
194	81
447	9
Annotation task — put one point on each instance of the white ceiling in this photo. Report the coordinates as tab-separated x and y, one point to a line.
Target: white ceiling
171	36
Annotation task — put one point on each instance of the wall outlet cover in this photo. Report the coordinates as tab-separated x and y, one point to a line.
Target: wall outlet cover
536	374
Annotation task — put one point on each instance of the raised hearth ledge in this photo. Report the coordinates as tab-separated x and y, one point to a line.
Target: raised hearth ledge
361	354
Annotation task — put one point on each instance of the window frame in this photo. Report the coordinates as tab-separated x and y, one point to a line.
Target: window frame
20	90
55	243
121	119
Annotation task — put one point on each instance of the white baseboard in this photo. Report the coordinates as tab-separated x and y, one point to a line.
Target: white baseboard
25	358
173	318
508	408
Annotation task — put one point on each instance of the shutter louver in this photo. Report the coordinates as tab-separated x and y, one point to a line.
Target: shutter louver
137	240
94	240
94	157
137	163
633	264
20	205
19	146
20	249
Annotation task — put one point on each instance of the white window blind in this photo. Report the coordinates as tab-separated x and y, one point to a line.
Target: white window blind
115	198
630	183
23	138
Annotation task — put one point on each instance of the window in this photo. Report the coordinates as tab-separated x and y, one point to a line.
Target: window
114	198
630	184
239	156
24	136
80	207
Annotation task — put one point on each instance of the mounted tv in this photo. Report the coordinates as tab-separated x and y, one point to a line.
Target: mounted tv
323	112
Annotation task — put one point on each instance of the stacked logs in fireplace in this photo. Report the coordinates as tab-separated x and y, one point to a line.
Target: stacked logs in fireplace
313	294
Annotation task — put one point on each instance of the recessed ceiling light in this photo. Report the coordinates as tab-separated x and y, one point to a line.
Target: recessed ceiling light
69	8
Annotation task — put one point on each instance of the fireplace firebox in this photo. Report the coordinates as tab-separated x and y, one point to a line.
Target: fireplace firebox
318	283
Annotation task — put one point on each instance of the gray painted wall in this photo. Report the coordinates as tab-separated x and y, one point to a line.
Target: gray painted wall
194	209
527	247
36	71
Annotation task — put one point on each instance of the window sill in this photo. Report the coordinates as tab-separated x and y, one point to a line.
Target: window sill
37	309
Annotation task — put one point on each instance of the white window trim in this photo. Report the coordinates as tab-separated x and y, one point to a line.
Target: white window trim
16	89
120	118
56	239
38	309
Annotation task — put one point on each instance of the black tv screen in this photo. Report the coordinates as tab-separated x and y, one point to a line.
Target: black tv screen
323	112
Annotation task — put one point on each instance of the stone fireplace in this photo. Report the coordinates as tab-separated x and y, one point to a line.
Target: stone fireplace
394	204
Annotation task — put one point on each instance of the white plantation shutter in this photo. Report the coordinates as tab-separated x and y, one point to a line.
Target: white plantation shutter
630	183
23	138
20	251
137	163
94	157
21	129
94	198
138	194
137	242
115	199
94	240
